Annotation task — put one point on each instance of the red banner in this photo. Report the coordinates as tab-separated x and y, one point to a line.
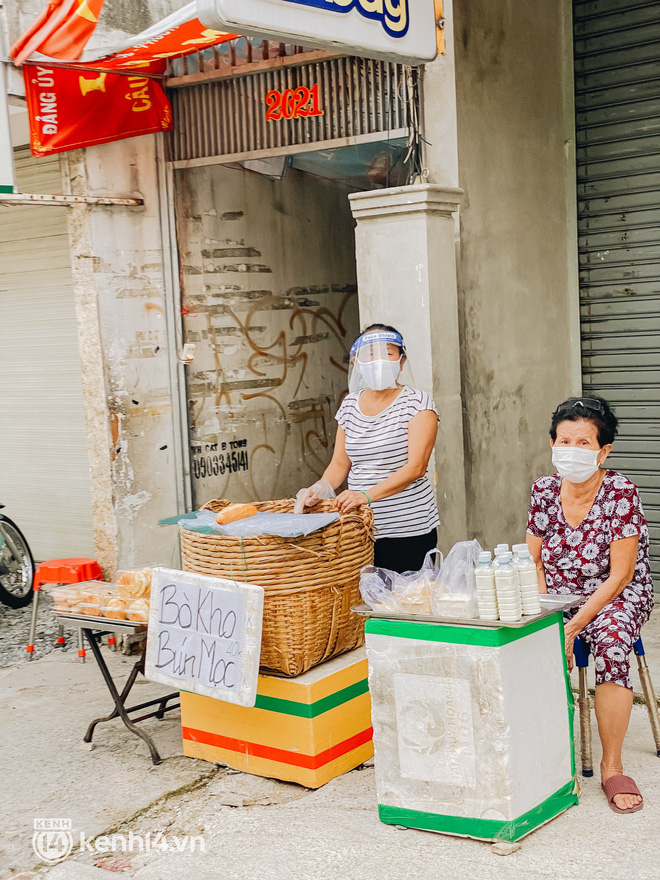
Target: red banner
180	39
70	108
61	31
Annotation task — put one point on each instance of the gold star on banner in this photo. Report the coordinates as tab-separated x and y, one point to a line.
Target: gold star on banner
84	11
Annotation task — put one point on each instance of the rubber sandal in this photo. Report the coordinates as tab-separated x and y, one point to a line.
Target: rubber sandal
621	785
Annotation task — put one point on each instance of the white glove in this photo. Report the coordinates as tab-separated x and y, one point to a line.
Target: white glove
312	494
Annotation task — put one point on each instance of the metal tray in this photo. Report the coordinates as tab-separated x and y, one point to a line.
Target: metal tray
549	605
106	624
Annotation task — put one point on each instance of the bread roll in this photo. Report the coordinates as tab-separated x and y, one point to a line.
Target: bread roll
138	611
116	609
90	608
134	584
235	511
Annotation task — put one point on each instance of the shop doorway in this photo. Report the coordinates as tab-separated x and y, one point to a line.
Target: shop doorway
268	142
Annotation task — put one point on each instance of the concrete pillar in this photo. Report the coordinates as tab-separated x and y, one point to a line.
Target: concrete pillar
122	307
406	268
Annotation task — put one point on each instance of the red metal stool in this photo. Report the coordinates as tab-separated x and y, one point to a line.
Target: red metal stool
61	571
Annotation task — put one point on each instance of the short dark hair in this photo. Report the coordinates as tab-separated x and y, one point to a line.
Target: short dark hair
593	409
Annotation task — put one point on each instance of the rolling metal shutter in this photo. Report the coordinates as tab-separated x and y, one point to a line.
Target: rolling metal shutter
44	472
617	90
361	100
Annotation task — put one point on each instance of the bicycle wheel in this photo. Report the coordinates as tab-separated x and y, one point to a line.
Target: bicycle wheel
16	566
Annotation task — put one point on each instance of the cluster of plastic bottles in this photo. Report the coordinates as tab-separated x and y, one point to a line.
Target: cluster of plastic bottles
507	587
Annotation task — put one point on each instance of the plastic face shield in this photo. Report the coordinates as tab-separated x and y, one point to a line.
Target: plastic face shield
377	358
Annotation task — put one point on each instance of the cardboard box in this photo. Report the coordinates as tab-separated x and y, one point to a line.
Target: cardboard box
308	729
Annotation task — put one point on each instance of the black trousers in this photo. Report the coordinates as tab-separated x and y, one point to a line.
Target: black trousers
404	554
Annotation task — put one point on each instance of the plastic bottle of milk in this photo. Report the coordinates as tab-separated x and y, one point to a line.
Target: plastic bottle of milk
486	596
517	548
529	585
507	589
497	552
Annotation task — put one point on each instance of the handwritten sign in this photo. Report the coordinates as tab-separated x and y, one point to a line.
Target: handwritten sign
205	635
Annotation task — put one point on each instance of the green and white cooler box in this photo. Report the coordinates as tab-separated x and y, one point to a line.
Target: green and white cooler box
473	727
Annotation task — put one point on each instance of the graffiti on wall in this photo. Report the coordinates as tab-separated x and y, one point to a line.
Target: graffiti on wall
271	348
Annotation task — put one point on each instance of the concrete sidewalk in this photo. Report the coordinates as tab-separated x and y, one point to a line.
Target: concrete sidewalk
45	708
334	834
262	828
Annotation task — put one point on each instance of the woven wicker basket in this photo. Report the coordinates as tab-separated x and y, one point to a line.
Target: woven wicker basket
310	582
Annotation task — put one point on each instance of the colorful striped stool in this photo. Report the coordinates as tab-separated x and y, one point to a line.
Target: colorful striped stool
308	729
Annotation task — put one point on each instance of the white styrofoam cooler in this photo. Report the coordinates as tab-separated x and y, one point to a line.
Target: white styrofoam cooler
473	729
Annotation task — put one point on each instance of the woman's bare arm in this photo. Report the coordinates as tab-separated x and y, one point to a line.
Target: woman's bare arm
340	464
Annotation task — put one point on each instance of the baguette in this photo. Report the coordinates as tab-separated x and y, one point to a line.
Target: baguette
235	511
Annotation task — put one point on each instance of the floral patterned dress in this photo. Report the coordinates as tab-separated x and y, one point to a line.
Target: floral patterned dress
577	560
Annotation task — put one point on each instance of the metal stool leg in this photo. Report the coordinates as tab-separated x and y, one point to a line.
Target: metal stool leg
585	724
581	655
61	641
649	693
81	646
33	622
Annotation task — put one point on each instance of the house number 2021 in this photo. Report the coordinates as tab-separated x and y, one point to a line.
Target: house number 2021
293	103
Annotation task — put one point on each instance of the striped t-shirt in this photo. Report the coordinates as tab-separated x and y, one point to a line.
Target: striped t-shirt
377	446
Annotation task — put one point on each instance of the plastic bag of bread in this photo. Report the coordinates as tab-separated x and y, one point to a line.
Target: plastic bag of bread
408	593
233	512
65	598
138	611
81	599
134	584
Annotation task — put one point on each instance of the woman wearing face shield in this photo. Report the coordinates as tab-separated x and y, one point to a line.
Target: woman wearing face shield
385	437
587	534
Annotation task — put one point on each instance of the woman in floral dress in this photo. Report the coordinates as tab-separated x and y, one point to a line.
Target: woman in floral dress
587	534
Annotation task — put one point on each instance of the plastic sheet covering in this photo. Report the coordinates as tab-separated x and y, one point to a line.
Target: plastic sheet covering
472	727
285	525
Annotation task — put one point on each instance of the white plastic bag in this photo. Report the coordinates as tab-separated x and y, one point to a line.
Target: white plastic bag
407	593
308	497
454	592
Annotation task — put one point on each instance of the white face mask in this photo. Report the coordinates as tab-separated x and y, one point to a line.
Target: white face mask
379	375
576	465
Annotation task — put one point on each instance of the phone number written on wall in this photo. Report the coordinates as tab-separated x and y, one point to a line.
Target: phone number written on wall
220	458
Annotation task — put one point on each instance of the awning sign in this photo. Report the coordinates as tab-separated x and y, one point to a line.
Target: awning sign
395	30
71	108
